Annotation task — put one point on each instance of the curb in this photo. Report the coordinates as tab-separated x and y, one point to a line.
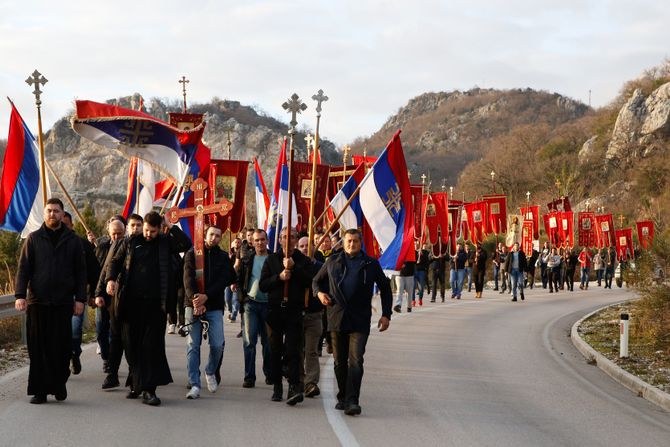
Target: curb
633	383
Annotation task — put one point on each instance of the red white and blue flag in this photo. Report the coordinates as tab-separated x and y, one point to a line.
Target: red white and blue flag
137	134
21	207
352	217
262	199
141	189
386	201
279	201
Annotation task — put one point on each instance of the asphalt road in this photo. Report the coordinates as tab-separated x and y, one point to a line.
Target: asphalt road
472	372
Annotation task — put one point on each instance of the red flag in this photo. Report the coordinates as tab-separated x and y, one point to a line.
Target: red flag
497	213
566	229
532	213
311	157
359	159
435	210
645	233
605	230
624	244
527	237
302	191
560	204
477	220
455	208
586	227
228	178
417	201
551	223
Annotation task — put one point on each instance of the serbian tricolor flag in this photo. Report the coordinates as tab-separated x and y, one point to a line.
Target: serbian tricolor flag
532	213
476	212
352	217
386	201
136	134
262	199
279	200
605	230
586	227
496	213
141	189
624	244
21	201
228	179
645	233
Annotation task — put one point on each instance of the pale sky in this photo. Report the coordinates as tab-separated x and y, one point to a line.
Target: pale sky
369	57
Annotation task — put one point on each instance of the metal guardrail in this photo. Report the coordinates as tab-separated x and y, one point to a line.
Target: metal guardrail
7	310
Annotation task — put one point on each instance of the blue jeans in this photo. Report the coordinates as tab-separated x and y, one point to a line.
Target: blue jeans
216	344
77	326
456	278
468	272
585	276
102	332
599	275
516	276
419	282
255	316
231	303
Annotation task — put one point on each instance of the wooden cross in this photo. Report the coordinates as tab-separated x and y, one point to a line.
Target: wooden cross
199	211
37	79
184	81
621	218
294	106
319	98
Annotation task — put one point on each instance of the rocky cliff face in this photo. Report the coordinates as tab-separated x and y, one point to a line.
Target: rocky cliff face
94	174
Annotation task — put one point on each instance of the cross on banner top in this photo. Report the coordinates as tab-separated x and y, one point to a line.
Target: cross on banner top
37	79
199	211
184	81
294	105
319	98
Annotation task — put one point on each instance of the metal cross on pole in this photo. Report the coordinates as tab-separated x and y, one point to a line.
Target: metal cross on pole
229	143
294	105
309	144
184	81
199	211
320	98
36	79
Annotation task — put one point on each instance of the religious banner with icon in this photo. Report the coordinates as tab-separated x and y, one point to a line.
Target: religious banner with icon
302	189
436	214
645	233
527	237
551	221
228	179
477	220
624	244
586	229
532	213
417	201
566	229
605	230
185	121
455	208
496	212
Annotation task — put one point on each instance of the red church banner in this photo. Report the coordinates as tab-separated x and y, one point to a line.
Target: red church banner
566	229
496	213
527	237
624	244
605	230
301	179
477	220
436	215
417	202
228	178
455	213
551	222
586	228
532	213
645	233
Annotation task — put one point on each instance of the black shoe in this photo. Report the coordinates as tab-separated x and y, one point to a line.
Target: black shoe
277	393
150	399
61	394
239	335
76	365
268	381
409	309
294	396
105	367
522	297
397	309
352	410
495	289
443	299
132	395
38	399
432	301
248	384
111	381
312	390
340	406
514	299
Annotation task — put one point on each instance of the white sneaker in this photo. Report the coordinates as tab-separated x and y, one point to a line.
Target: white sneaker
172	328
98	350
211	383
193	393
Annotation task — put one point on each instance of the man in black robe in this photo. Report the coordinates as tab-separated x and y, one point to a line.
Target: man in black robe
51	278
146	285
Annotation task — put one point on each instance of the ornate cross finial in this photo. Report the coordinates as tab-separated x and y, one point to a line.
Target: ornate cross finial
345	153
294	105
184	81
319	98
309	140
451	192
423	179
229	143
37	79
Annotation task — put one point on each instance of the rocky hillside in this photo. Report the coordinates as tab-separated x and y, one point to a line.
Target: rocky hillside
94	174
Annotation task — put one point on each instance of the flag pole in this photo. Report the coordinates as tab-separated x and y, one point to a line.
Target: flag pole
337	218
319	97
37	79
68	198
294	106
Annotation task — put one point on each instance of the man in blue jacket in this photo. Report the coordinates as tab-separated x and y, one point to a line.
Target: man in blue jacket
345	285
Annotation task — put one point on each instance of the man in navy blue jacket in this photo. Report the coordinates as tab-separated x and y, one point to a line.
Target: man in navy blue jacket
345	285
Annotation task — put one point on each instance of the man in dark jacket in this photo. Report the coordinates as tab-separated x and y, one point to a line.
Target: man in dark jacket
345	285
457	276
420	272
51	277
515	265
208	305
285	312
438	268
141	296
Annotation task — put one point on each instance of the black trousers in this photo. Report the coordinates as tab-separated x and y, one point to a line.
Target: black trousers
553	276
570	279
115	346
439	276
49	334
479	280
348	351
286	338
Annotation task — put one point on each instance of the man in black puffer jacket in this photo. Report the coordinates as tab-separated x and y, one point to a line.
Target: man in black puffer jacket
208	305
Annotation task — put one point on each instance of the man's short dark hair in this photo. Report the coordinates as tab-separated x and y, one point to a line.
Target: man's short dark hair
135	217
55	201
153	219
68	215
354	231
260	230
